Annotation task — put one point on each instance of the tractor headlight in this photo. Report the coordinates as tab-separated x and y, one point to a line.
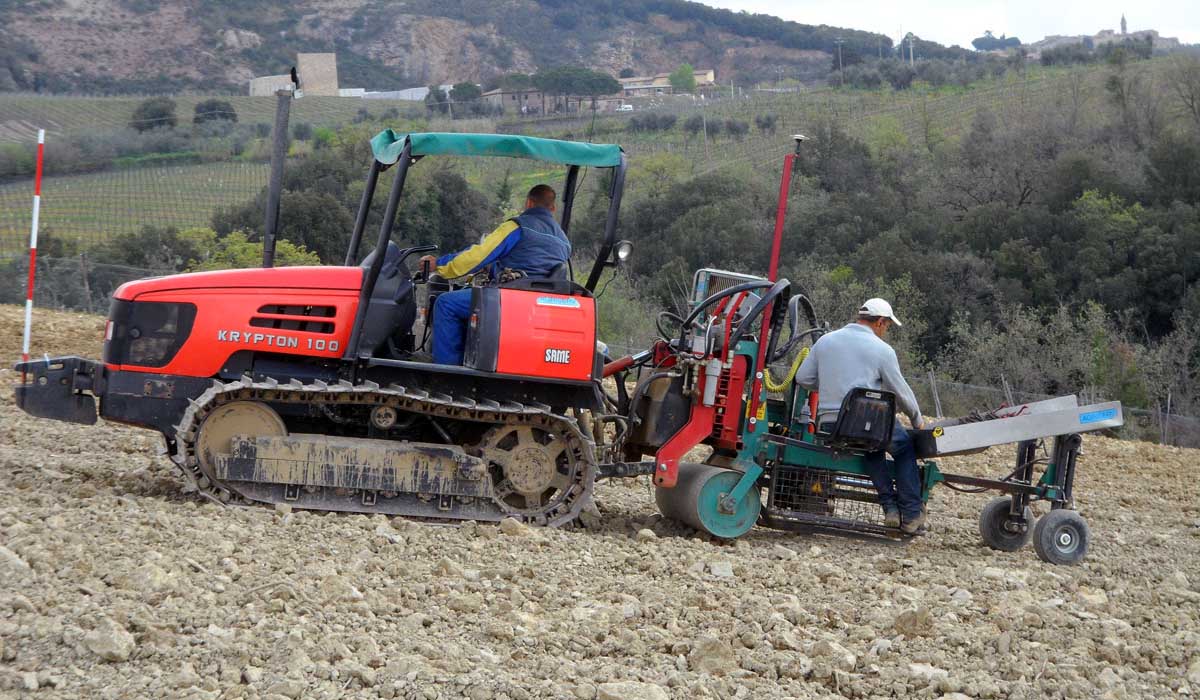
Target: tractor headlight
623	251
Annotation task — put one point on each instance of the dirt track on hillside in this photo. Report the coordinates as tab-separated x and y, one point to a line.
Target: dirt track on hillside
115	584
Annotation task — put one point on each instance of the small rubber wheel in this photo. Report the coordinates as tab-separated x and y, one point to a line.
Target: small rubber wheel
992	521
1061	537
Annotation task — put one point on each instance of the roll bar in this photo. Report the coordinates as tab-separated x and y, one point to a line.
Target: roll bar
385	235
610	225
403	163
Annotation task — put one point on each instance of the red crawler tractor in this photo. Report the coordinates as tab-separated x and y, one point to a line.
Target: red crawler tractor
305	385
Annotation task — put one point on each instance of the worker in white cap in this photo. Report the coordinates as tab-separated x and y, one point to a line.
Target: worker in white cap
857	356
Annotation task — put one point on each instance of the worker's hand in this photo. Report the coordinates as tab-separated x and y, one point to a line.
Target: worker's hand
919	423
427	265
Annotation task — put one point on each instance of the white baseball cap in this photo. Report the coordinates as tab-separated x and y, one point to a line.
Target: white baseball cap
878	307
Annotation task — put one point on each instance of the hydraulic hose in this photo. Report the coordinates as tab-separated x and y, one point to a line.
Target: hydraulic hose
772	296
778	387
794	307
736	289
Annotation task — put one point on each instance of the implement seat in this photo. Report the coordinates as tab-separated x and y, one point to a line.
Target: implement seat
864	422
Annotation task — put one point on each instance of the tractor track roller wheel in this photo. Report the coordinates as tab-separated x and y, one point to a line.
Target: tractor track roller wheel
696	497
230	419
1061	537
993	520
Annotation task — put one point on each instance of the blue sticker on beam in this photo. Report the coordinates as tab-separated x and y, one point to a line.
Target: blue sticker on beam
1097	416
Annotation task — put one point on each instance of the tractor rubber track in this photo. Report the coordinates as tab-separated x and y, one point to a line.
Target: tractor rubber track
559	511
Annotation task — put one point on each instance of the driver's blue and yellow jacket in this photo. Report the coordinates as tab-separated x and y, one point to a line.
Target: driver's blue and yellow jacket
532	243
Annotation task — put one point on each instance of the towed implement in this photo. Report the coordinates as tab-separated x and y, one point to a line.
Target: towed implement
310	386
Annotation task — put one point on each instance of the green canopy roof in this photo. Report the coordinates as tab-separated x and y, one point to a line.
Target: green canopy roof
387	146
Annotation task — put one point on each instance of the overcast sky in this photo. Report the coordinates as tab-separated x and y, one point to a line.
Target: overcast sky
959	21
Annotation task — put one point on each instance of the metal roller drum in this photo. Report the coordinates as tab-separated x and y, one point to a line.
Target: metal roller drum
696	497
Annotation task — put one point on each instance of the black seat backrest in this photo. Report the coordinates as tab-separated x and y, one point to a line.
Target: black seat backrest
865	421
557	281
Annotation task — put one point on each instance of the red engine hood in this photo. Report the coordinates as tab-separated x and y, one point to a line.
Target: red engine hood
342	278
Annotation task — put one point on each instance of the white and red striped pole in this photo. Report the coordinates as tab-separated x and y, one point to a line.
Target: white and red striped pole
33	235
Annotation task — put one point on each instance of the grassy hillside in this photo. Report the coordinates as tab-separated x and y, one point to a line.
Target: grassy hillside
104	46
21	114
883	118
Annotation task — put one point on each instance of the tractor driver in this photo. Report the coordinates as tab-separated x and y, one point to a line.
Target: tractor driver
531	243
857	356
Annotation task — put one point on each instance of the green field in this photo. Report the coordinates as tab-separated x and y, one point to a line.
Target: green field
90	208
22	114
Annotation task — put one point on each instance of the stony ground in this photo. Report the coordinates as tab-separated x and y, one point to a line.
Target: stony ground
114	584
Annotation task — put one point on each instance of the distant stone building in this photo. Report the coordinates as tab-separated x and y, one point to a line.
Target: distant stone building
1124	27
1105	36
318	76
660	83
318	73
267	85
515	101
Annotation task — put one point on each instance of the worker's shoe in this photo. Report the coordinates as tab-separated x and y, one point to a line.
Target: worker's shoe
891	518
913	526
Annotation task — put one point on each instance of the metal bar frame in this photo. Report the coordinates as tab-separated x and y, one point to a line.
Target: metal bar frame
569	198
1026	453
364	206
279	136
610	226
385	235
1012	487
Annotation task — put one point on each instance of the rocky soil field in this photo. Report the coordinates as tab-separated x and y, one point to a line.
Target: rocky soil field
115	584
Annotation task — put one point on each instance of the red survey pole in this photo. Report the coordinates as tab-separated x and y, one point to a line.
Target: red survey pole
785	184
33	233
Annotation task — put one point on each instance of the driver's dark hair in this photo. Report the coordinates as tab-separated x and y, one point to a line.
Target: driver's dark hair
542	195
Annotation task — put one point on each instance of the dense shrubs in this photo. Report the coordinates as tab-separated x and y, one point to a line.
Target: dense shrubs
650	122
154	113
214	110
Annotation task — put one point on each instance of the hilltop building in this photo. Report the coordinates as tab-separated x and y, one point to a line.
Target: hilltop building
526	101
1104	36
660	83
318	76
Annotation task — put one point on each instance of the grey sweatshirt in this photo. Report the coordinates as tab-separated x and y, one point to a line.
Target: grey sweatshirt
852	357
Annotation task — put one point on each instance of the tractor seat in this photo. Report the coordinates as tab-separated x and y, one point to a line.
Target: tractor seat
864	422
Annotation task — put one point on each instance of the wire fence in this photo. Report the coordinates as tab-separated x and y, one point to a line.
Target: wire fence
112	169
75	284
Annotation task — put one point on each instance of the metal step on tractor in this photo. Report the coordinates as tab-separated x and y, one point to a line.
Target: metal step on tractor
308	386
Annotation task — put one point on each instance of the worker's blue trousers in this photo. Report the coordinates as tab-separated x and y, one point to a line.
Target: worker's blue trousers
899	487
451	312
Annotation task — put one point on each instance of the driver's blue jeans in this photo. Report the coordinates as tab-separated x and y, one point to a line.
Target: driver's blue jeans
451	312
898	482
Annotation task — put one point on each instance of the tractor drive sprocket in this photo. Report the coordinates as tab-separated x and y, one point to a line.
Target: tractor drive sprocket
541	464
532	467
